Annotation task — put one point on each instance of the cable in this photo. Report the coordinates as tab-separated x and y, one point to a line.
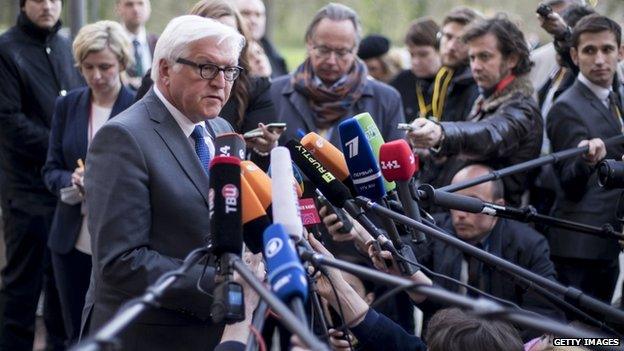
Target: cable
343	328
259	338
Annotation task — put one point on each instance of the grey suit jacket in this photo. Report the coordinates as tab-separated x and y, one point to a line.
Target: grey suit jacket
148	208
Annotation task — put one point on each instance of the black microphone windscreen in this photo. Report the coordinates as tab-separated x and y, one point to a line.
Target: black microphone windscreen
326	182
225	205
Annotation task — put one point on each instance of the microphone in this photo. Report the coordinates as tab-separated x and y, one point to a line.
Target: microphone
365	174
329	156
285	271
285	203
375	139
398	164
255	219
365	170
226	236
225	206
333	190
259	182
230	144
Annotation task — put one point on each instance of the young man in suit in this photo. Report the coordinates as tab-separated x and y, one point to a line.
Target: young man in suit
134	14
584	115
147	185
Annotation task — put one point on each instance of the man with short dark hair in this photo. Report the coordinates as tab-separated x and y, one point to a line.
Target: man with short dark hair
505	126
134	14
513	241
36	66
332	84
589	112
416	84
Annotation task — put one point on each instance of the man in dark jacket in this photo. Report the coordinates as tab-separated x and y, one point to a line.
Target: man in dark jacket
505	126
332	84
513	241
36	66
586	114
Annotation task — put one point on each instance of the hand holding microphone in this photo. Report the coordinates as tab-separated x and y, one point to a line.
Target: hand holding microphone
360	237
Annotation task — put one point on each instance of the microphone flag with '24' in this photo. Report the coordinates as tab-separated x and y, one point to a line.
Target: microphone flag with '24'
399	164
225	205
361	160
230	144
375	139
285	271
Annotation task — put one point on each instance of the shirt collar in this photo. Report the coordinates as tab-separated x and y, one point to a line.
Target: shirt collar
319	82
600	92
141	36
185	124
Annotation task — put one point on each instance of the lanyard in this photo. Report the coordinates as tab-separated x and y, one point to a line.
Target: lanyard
440	88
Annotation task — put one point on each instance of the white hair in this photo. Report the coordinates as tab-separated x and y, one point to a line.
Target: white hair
182	31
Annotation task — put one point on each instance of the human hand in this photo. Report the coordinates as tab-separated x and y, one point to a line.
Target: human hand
425	135
267	141
597	151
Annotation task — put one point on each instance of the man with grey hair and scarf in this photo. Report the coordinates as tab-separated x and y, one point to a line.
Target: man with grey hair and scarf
147	180
333	83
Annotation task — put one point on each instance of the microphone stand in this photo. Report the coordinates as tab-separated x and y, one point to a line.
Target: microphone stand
258	324
105	337
525	166
526	214
287	318
570	293
478	306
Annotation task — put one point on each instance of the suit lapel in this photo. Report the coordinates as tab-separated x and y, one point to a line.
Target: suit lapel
598	105
81	123
301	105
177	143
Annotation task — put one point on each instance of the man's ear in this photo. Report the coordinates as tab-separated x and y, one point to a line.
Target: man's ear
512	61
164	71
574	55
621	53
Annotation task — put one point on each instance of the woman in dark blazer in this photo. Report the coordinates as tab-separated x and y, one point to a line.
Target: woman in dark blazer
102	52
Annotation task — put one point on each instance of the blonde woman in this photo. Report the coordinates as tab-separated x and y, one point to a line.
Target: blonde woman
102	53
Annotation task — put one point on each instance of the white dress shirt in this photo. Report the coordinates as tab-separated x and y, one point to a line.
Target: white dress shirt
601	93
146	55
186	124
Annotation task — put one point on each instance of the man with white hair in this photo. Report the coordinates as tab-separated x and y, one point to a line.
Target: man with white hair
147	180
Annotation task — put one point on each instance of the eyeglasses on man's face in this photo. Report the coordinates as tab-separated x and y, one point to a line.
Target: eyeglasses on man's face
323	51
210	70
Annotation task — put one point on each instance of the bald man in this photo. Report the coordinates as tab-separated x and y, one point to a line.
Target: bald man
511	240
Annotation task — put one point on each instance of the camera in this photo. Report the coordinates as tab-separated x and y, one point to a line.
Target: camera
544	10
611	174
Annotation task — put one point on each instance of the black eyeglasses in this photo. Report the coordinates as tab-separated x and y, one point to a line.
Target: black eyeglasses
210	70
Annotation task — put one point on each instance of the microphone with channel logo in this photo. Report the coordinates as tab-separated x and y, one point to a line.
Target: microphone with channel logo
366	176
399	164
226	236
375	139
230	144
284	270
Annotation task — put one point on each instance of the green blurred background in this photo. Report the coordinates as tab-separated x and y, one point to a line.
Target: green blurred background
287	19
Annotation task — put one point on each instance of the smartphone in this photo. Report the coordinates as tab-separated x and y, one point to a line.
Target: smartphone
342	216
544	10
405	126
272	127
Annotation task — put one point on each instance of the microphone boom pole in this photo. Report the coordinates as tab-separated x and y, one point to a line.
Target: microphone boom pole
480	306
569	293
525	166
